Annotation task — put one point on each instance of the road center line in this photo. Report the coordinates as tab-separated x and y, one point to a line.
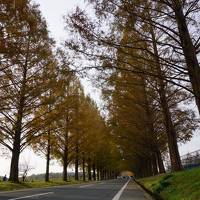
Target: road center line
35	195
84	186
118	195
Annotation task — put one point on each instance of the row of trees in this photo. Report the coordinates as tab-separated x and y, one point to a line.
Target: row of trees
147	56
148	71
42	101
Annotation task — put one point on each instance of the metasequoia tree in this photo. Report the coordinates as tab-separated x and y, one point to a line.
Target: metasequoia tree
138	123
92	137
52	115
46	115
184	13
81	133
54	140
177	20
67	148
24	65
165	100
155	41
131	124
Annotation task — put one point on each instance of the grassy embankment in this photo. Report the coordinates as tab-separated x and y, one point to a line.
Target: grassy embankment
183	185
7	186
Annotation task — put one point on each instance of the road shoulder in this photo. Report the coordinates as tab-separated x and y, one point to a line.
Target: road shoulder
134	191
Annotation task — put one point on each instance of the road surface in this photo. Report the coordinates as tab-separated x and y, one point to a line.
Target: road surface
105	190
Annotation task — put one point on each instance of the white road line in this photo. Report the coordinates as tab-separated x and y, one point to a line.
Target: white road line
118	195
35	195
84	186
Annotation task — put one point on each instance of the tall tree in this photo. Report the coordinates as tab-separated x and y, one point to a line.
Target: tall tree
154	40
23	75
184	13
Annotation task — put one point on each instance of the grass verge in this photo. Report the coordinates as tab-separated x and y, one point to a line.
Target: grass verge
184	185
9	186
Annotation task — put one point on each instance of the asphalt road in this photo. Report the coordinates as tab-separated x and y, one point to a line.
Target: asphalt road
105	190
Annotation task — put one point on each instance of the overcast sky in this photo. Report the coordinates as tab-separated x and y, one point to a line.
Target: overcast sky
53	11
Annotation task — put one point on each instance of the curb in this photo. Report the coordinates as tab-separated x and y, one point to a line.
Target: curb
152	194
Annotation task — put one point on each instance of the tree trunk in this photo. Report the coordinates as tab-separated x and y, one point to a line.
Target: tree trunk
101	174
98	174
14	166
65	163
147	170
65	178
154	165
83	166
66	148
111	174
188	50
77	162
171	133
106	174
89	170
94	172
48	157
155	146
160	162
115	174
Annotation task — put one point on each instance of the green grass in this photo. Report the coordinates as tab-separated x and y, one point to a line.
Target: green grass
8	186
184	185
